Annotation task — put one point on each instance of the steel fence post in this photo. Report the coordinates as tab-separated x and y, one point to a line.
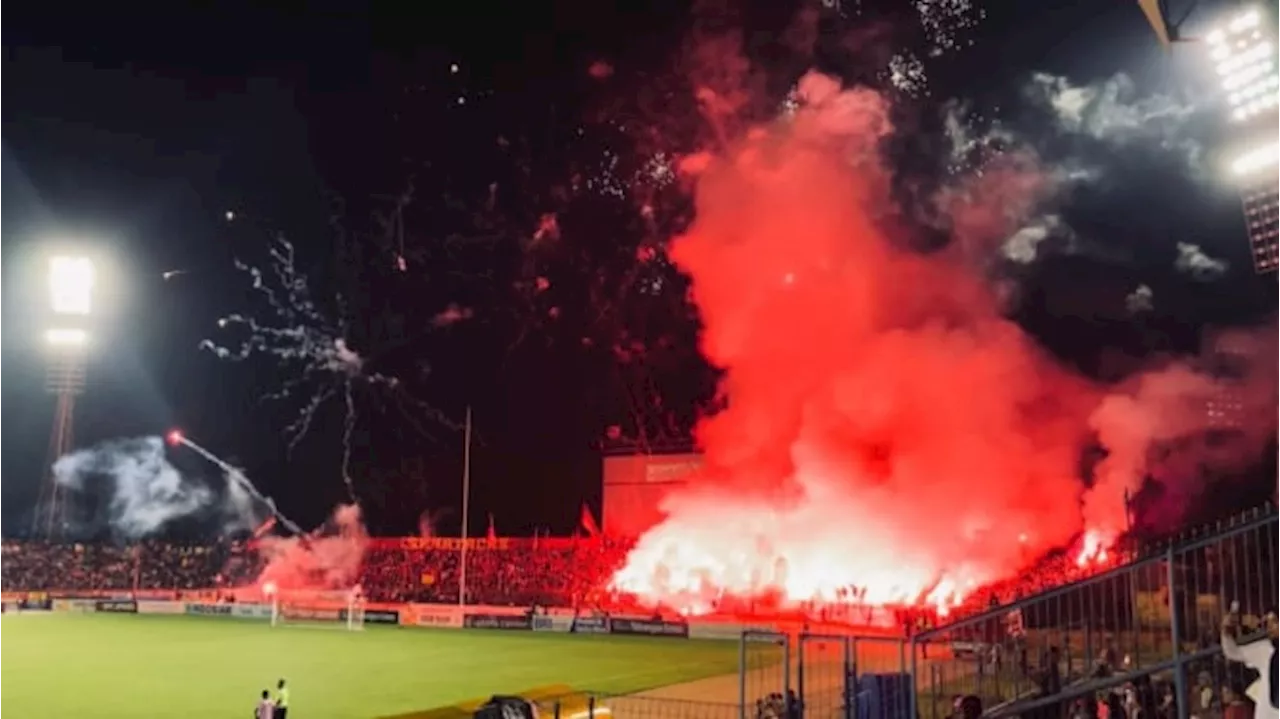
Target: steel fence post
1175	617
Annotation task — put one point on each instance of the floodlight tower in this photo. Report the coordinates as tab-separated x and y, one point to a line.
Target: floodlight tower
1244	54
71	282
1242	50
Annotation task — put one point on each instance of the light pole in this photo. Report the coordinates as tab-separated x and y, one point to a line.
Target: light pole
71	283
1244	55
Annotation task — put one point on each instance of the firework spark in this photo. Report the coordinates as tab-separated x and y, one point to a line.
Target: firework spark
312	348
948	24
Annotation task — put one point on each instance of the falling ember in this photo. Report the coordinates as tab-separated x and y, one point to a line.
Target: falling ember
888	435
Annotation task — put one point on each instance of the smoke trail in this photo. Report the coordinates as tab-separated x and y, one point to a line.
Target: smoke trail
241	486
143	491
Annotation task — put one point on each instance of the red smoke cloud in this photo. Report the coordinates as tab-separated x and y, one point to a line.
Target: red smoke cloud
886	428
328	558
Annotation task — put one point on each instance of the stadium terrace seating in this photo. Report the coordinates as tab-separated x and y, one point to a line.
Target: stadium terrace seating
515	573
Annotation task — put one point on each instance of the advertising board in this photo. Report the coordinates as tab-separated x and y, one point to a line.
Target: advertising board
156	606
432	615
552	623
209	610
74	605
497	621
325	615
590	625
375	616
251	611
648	627
116	606
714	630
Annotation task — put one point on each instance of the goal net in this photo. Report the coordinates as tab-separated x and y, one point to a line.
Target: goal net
336	609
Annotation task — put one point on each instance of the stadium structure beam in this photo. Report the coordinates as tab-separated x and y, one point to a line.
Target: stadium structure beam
1166	23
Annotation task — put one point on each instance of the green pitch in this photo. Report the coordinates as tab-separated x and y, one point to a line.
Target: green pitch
105	666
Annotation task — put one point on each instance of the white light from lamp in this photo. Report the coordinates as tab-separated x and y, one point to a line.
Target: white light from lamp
1256	159
66	337
1257	54
1245	21
71	285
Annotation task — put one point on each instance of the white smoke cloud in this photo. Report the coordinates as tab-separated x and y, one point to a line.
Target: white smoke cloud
1140	300
1023	246
1110	115
1195	262
144	492
1112	111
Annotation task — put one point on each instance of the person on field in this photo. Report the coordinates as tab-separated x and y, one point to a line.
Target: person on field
282	701
266	708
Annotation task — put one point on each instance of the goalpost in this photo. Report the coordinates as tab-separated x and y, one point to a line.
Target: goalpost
333	609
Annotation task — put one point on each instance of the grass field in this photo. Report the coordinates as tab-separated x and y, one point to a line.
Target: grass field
105	666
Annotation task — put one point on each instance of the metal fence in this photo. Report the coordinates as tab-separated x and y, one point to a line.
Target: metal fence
1144	633
1151	627
822	676
592	705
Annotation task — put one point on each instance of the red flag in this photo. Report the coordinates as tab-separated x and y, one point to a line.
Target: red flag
589	522
492	533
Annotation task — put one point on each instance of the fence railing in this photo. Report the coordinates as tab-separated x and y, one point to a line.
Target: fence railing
1151	627
597	705
1157	617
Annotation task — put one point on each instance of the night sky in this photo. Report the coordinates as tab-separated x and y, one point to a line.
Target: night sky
138	129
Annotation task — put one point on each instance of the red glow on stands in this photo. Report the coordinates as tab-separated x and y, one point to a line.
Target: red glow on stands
174	437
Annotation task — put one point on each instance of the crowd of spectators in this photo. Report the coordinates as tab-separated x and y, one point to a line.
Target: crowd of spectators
520	573
517	573
38	566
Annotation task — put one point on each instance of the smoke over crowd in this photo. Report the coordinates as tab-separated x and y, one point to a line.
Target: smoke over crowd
129	490
886	428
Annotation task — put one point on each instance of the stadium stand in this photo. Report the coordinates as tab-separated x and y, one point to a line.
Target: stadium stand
1137	637
509	572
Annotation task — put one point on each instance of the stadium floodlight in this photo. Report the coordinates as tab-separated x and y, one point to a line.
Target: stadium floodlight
67	337
1255	160
1246	61
71	285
